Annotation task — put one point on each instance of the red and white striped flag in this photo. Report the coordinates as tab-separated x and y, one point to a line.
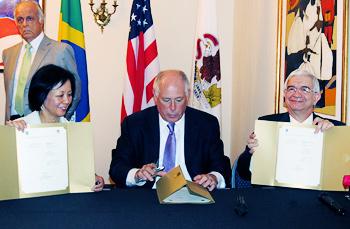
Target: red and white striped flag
141	60
206	71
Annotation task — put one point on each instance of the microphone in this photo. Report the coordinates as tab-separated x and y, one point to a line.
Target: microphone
241	207
331	203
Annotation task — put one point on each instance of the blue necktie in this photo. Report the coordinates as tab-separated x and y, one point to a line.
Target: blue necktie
170	149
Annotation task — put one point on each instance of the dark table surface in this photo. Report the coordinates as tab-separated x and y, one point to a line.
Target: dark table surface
139	208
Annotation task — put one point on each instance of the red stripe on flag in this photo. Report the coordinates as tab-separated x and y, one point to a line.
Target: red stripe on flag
131	63
123	113
139	79
149	90
8	27
151	53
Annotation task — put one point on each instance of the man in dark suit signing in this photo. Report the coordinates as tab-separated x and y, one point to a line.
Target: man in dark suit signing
301	93
169	134
36	50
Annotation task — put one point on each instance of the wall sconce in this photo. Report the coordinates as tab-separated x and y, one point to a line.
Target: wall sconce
101	15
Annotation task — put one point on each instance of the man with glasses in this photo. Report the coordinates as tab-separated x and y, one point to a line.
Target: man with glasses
22	60
301	93
157	139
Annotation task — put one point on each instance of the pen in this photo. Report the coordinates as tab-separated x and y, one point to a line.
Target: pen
156	170
331	203
159	168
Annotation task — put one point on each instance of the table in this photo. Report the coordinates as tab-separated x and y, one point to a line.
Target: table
139	208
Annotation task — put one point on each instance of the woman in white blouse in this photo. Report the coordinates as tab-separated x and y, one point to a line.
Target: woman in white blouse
50	94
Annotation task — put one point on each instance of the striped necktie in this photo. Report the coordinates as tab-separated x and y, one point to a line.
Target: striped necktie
22	79
170	149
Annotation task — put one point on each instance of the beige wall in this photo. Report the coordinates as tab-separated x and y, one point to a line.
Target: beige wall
254	66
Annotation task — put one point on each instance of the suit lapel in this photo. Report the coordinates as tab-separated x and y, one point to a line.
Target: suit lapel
42	51
153	136
284	117
13	61
315	116
9	74
11	67
190	138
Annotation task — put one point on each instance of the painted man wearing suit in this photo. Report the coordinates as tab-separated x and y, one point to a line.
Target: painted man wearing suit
141	146
29	20
301	93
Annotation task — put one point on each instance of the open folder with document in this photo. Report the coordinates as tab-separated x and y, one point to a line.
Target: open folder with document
173	188
292	155
46	160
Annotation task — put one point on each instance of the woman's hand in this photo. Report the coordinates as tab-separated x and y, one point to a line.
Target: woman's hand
18	123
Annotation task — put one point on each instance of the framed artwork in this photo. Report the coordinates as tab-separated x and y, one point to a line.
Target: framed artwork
8	32
312	35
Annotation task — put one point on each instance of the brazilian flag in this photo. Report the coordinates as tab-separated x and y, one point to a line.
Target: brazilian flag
71	32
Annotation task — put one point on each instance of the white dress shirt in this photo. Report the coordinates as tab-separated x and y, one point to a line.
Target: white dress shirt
34	119
307	121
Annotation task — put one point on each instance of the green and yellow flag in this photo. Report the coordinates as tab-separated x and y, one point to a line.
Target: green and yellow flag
71	32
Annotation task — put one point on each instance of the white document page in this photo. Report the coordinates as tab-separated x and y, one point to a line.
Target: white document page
299	156
184	196
42	159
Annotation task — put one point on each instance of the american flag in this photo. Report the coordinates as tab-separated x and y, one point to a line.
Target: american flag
141	60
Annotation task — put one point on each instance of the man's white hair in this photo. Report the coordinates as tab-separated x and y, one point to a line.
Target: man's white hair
161	74
303	72
40	10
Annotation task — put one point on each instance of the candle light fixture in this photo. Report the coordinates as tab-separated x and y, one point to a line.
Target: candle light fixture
101	14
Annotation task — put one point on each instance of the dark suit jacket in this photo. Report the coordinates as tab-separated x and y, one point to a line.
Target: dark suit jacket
139	144
49	52
244	159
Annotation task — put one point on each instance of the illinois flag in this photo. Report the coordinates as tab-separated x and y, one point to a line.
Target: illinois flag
206	71
141	60
71	32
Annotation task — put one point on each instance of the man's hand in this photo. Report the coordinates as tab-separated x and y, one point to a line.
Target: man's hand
147	173
252	143
322	124
99	183
19	124
208	181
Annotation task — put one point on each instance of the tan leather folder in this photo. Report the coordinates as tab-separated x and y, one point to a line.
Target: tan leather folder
335	158
173	188
80	159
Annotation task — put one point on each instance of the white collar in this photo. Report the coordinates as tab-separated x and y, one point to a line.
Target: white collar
307	121
162	122
35	42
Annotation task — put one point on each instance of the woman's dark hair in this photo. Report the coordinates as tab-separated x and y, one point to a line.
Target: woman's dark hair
44	80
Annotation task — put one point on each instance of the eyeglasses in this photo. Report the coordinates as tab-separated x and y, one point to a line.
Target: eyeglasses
304	90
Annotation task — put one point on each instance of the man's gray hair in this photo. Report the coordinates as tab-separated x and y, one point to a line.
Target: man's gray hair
160	76
303	72
40	10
